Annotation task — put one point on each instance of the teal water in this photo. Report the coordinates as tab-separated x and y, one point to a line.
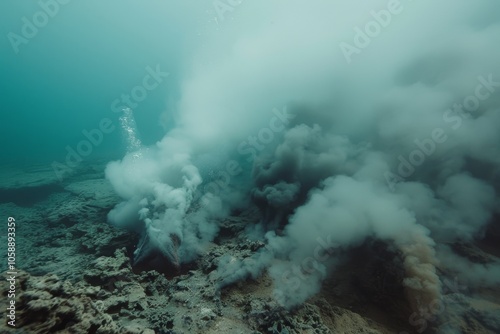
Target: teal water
63	80
289	142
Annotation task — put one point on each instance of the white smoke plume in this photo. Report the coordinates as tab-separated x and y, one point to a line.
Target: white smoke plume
396	141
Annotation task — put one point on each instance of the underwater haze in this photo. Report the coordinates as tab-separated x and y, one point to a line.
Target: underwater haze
63	77
233	166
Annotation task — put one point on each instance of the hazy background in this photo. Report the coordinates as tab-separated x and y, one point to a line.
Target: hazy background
89	53
324	174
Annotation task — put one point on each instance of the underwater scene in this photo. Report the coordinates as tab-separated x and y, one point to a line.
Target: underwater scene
250	166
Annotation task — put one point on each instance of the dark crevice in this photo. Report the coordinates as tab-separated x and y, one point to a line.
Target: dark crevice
28	196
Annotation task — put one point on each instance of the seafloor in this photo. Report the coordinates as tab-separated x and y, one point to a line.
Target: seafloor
74	275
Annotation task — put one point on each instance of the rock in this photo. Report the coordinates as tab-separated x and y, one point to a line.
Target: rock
98	192
207	314
80	279
108	271
472	253
48	305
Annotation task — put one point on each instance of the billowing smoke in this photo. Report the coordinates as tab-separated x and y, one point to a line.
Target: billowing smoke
390	134
158	185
